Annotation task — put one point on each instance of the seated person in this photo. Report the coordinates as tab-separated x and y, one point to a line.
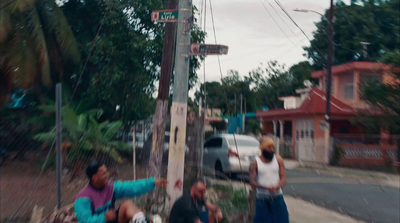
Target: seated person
95	202
189	207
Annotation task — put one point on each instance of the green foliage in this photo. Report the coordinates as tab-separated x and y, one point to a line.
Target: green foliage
37	44
384	98
253	126
338	153
375	22
276	81
261	87
125	62
234	204
84	135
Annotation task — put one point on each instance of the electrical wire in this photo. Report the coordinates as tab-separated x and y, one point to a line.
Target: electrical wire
276	11
215	38
294	22
219	62
90	53
277	23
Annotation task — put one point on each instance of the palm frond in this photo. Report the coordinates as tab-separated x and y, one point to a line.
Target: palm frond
54	20
39	42
96	113
112	129
69	118
5	26
121	146
46	136
47	108
82	122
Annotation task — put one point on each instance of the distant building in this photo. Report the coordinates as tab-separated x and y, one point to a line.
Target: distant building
301	124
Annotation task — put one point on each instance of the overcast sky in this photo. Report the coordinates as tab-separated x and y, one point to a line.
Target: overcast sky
253	37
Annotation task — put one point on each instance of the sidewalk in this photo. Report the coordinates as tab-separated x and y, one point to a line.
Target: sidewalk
362	176
301	211
304	212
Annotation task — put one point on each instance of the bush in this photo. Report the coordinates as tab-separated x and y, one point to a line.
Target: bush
338	153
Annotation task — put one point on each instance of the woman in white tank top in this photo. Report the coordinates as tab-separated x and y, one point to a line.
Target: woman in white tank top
268	176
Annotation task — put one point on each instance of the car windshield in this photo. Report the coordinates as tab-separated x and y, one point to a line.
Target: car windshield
243	142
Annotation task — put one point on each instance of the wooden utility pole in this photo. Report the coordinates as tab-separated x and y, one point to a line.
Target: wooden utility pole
327	133
155	160
329	64
176	159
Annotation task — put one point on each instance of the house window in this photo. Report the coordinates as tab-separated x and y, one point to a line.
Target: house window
349	91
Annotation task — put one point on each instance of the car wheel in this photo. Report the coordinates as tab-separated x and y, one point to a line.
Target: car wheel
219	173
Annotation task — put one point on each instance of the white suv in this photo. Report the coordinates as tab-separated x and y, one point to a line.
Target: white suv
229	154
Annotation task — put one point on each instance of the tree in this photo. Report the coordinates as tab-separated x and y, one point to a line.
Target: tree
124	64
123	48
373	21
301	72
383	97
261	87
84	136
37	44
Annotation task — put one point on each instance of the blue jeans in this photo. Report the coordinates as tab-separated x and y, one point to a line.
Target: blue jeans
271	210
204	216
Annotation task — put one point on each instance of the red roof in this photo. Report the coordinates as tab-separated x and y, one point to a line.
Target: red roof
358	65
313	104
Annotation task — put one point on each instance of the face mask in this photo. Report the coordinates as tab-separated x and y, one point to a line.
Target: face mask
267	155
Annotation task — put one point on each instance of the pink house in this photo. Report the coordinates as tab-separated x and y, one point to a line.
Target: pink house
301	126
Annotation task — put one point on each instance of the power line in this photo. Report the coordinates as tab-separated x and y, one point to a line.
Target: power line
276	22
284	21
219	62
294	22
215	39
90	53
287	14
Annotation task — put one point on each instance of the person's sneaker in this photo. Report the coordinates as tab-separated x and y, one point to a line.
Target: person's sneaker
139	218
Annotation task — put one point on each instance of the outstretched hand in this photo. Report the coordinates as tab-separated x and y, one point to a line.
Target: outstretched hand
161	182
110	215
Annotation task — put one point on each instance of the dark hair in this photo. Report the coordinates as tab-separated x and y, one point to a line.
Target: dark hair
93	168
196	182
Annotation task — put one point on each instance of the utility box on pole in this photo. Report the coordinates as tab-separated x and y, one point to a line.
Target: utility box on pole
176	159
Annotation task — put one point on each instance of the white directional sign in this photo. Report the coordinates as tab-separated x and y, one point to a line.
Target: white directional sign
170	15
208	49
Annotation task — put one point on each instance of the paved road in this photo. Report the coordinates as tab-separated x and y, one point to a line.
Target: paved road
368	202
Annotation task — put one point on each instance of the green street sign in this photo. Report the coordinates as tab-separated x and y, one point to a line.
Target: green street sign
170	15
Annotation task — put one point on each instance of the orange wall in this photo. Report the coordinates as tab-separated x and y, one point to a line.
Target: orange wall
318	132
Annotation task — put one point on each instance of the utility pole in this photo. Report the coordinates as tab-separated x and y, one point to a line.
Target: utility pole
241	112
327	132
176	158
329	64
155	160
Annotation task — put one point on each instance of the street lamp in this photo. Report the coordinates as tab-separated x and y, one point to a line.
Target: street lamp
307	10
329	61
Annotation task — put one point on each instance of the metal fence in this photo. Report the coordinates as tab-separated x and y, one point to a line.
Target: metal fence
367	149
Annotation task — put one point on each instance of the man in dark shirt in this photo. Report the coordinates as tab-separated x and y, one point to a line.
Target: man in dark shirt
189	207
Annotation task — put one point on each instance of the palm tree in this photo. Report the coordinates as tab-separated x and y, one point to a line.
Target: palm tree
36	44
